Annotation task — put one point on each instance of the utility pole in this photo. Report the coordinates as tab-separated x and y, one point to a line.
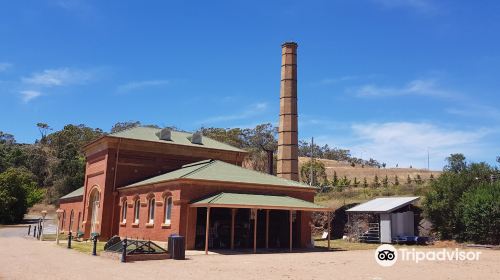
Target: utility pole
428	159
312	158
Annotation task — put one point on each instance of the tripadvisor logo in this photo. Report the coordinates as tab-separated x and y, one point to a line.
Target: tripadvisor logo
386	255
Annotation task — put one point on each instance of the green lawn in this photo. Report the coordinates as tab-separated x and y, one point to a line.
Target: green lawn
343	245
84	247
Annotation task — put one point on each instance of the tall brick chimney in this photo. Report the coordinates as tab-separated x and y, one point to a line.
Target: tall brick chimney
288	161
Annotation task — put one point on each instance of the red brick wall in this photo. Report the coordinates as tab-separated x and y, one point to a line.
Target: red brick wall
185	219
67	206
143	230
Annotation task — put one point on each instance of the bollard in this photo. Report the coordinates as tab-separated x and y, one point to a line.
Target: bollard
69	240
34	232
94	249
124	252
40	232
29	230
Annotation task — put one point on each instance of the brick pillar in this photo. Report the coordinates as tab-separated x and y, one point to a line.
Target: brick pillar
288	166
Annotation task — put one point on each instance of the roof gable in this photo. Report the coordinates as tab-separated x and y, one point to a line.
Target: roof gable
384	204
257	200
177	138
75	193
215	170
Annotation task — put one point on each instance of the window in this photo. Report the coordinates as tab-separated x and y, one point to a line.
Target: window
136	211
168	210
124	211
70	228
63	219
151	211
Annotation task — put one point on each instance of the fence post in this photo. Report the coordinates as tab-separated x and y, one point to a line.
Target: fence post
94	249
29	230
124	252
34	232
70	236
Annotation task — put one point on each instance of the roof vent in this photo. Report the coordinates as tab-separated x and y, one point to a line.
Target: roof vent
166	134
197	138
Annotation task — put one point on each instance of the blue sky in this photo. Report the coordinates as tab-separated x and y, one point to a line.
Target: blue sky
387	79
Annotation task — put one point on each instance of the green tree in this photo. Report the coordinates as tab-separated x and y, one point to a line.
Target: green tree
442	203
365	185
120	126
396	180
18	192
356	183
479	211
376	182
335	179
456	163
77	135
44	129
408	180
318	169
385	182
419	180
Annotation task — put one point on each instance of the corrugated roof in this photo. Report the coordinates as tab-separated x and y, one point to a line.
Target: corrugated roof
215	170
75	193
384	204
178	138
257	201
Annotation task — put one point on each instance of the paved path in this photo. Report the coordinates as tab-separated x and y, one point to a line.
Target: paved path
25	258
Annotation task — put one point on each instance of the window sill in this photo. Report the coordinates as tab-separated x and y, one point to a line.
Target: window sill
165	225
123	224
149	225
135	224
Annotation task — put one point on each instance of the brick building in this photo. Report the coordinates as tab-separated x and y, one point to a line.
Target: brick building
149	183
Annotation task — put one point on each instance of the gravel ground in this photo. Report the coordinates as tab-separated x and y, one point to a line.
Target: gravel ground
25	258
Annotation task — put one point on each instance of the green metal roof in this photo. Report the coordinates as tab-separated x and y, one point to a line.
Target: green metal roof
178	138
75	193
257	201
215	170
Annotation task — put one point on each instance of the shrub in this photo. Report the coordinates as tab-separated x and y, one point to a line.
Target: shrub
443	204
479	210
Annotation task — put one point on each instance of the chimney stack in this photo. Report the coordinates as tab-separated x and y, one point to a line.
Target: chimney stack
288	161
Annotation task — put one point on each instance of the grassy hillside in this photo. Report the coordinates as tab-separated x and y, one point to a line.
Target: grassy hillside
345	169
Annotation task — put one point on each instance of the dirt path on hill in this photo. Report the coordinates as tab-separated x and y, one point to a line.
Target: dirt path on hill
25	258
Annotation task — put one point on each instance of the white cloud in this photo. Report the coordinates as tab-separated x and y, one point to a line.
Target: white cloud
59	77
475	110
331	81
251	111
28	95
406	143
138	85
424	6
423	87
4	66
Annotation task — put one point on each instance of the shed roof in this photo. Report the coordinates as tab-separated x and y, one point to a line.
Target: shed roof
216	170
238	200
75	193
178	138
383	204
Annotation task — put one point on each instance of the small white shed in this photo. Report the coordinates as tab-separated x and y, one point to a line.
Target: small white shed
394	221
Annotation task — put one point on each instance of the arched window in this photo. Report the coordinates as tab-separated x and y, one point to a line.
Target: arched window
78	222
168	209
136	211
63	220
151	211
124	211
70	228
